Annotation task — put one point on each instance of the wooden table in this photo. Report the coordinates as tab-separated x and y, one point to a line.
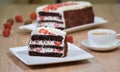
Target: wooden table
102	61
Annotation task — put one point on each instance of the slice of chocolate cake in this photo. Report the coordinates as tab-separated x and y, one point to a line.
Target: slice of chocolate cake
46	41
65	15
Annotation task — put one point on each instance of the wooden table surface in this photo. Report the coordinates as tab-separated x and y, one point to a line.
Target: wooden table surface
102	62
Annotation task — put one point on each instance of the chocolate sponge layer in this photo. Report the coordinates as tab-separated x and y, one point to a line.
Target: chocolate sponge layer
50	54
47	37
78	17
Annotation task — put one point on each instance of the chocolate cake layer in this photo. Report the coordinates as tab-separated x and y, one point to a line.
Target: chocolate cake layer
61	28
51	54
45	46
50	14
79	17
47	37
44	21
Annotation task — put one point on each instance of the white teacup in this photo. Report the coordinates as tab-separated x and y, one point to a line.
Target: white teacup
101	37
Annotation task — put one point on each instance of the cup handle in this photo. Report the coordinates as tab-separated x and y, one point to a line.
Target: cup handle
117	35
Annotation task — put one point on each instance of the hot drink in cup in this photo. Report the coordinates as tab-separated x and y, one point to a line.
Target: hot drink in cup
101	37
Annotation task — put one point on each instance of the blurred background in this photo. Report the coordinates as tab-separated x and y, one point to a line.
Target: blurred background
52	1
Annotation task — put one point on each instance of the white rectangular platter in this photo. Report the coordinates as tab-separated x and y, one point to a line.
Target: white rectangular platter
74	54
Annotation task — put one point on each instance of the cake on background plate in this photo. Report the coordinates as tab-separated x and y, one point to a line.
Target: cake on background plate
46	41
65	15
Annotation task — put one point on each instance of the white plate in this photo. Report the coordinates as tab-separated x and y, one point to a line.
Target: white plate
115	45
74	54
98	21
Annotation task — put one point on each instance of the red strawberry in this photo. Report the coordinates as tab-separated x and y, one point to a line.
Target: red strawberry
38	49
58	43
33	16
46	9
50	33
19	18
8	26
49	6
55	7
37	41
44	31
10	20
41	18
59	5
69	39
6	32
59	50
56	25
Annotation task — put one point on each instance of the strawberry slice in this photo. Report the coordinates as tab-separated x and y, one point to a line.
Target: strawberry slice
58	50
57	43
6	32
38	49
41	18
36	41
51	33
44	31
50	6
56	25
69	39
46	9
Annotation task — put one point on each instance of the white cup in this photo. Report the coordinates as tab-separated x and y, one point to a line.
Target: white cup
101	37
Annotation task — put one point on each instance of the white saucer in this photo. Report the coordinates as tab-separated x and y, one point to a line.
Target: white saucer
115	45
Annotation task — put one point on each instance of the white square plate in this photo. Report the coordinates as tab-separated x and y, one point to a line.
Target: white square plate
74	54
97	21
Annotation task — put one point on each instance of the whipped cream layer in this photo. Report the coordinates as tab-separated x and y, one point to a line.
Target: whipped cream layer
45	42
49	18
50	30
72	5
51	24
45	50
78	5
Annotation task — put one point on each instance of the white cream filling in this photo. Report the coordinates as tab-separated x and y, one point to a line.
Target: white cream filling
51	24
45	50
50	18
52	30
45	43
79	5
